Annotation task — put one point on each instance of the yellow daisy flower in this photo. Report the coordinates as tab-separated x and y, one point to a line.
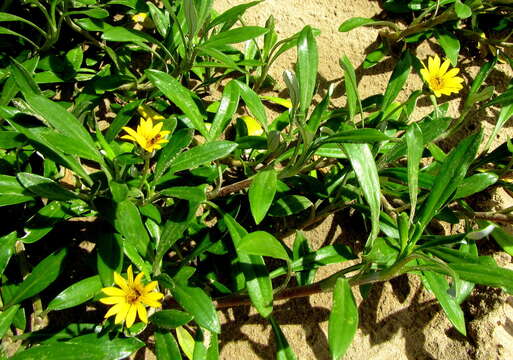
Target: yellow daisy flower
139	17
149	137
440	79
130	298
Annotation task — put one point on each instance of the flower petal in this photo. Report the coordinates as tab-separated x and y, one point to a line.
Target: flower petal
130	316
150	302
121	282
452	73
114	310
444	67
425	74
141	311
112	300
113	291
152	285
121	315
130	275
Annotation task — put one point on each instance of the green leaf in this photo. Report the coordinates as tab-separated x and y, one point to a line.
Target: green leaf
64	123
180	96
7	244
397	80
11	139
109	256
24	79
258	282
44	187
504	115
170	319
261	193
12	192
307	63
463	11
6	319
227	107
354	22
85	347
264	244
438	284
201	155
6	31
43	222
254	104
128	223
300	249
366	172
450	44
289	205
284	351
121	34
231	14
166	345
503	238
186	342
191	193
353	100
234	36
121	119
180	140
343	320
195	301
485	274
475	184
45	273
414	143
76	294
451	173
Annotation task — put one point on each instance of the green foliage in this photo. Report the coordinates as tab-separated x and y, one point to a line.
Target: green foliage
200	195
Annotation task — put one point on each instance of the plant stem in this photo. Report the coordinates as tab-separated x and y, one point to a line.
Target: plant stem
145	171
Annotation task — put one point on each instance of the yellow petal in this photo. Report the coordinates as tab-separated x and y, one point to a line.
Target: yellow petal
152	285
444	67
114	310
130	275
165	133
121	315
452	73
130	131
156	129
130	316
121	282
141	311
151	301
425	74
137	281
113	291
129	137
112	300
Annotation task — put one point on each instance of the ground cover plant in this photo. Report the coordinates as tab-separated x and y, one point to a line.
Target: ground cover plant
145	127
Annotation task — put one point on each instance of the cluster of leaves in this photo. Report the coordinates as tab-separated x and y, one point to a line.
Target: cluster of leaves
202	214
480	26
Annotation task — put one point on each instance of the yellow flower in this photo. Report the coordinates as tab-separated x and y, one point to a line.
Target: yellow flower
139	17
148	113
130	298
149	137
254	127
441	81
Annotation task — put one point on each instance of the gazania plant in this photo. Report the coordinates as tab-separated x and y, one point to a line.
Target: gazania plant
145	185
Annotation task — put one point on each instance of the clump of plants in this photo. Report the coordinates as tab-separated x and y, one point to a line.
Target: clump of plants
144	127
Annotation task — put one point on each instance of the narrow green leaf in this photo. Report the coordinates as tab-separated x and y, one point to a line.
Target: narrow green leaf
307	63
366	172
353	100
231	14
192	193
121	119
6	319
227	107
180	96
438	284
254	104
397	80
264	244
7	244
170	319
451	173
504	115
12	192
45	273
44	221
128	223
414	143
44	187
261	193
289	205
109	256
257	278
65	123
166	345
475	184
180	140
234	36
450	44
354	22
202	154
24	79
6	31
186	342
283	351
503	238
343	320
191	17
195	301
76	294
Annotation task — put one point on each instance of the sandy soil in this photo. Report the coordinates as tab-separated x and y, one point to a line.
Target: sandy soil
398	320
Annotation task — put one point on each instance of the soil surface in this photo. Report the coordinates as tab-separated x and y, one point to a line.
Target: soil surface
399	319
